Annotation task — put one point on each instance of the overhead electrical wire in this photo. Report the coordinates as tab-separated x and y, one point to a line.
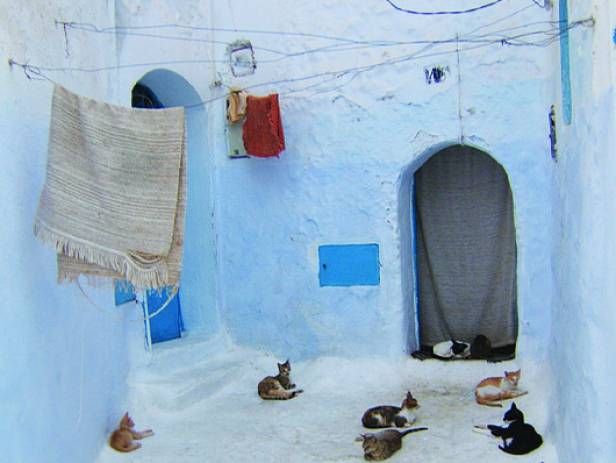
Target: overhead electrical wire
450	12
35	72
545	38
342	44
114	31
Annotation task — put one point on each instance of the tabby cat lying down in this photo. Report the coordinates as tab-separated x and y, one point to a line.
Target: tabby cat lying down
278	387
382	445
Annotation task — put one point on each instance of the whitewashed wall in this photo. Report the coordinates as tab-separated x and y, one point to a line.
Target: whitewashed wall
342	177
584	310
62	361
254	225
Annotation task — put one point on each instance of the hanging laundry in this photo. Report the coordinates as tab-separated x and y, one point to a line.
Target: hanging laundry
236	105
114	197
262	132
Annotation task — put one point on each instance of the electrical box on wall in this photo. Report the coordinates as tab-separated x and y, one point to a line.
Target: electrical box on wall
349	265
235	143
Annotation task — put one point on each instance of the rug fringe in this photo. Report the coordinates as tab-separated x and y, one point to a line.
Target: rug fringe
151	275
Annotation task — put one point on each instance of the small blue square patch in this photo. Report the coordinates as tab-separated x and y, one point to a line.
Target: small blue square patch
349	265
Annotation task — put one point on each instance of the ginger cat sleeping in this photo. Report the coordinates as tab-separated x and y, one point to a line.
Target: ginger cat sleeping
490	391
122	438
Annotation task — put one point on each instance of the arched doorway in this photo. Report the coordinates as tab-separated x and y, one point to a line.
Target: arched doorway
465	249
198	288
162	88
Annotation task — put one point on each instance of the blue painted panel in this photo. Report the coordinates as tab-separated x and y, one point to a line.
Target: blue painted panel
168	324
565	65
415	261
349	265
123	292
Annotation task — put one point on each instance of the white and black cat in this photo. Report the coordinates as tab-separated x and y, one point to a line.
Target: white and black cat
385	416
452	349
519	438
382	445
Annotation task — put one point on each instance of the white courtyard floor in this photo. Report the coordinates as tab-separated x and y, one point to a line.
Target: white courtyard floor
201	401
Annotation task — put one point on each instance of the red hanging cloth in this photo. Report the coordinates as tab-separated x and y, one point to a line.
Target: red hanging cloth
262	131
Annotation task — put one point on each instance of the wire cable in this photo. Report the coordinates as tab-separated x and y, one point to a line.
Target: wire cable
433	13
541	38
493	37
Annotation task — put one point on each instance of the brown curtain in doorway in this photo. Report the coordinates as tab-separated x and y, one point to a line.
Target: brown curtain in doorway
466	249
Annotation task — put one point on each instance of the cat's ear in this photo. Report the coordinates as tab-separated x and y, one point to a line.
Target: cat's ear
360	438
513	406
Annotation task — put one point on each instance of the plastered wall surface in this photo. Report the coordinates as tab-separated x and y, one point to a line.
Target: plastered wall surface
354	136
62	361
341	178
584	320
353	139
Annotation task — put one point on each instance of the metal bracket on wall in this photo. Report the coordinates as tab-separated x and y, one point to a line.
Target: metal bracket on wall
241	58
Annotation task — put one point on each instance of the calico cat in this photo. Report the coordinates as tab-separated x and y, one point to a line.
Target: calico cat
385	416
383	444
278	387
519	438
492	390
122	438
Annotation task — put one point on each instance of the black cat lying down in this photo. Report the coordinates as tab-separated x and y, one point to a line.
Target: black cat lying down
519	438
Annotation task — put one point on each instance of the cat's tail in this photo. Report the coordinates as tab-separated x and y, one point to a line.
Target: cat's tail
408	431
490	404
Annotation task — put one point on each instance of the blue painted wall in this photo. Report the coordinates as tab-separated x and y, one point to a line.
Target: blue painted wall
254	226
585	254
63	362
342	178
565	64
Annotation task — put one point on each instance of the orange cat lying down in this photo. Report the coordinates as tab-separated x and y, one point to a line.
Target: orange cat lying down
122	438
490	391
